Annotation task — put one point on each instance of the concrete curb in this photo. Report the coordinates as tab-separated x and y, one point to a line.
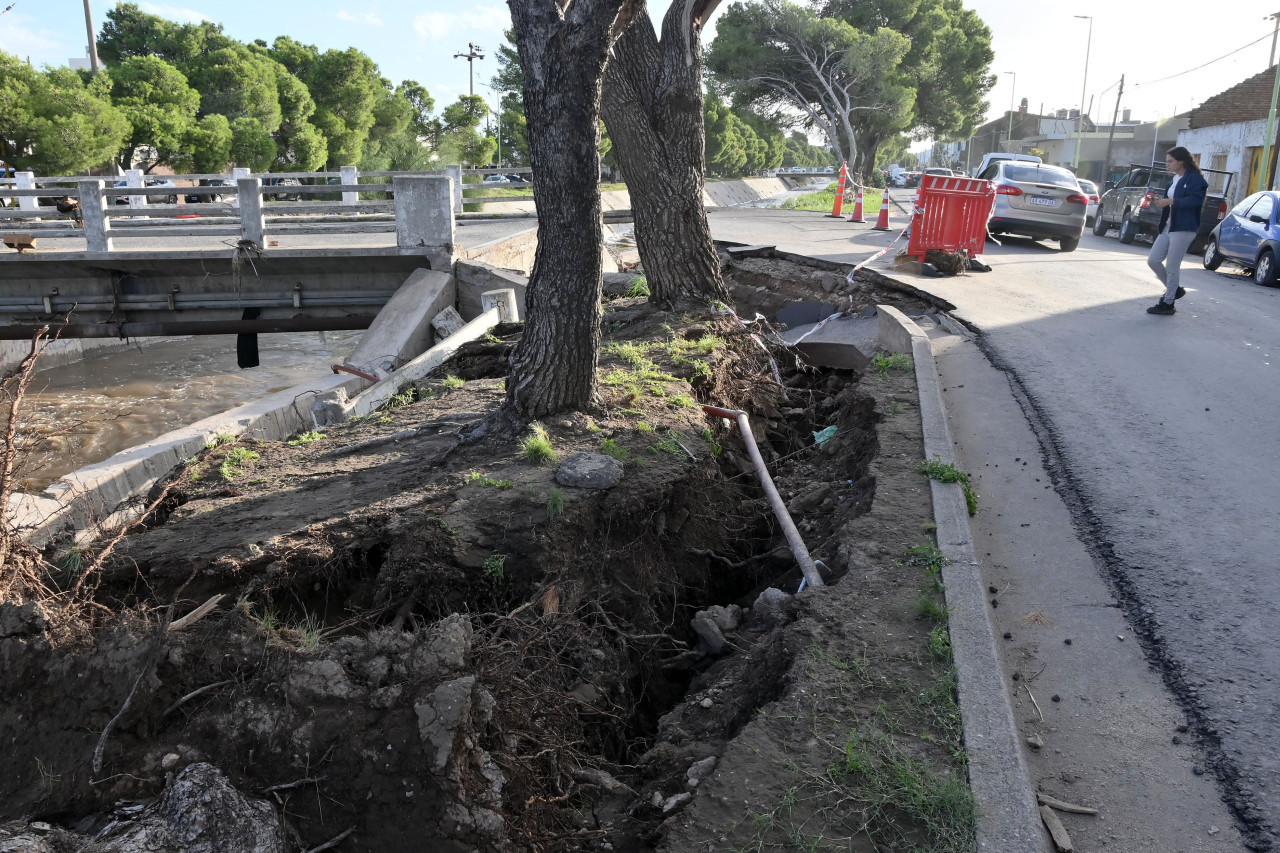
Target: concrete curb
1008	819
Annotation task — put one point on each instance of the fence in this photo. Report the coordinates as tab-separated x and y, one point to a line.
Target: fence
241	204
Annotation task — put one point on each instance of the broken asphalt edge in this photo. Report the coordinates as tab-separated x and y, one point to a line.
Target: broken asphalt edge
1008	818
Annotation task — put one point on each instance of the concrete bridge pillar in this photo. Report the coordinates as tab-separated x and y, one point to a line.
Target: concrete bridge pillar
253	226
350	176
93	207
455	171
424	216
133	178
26	181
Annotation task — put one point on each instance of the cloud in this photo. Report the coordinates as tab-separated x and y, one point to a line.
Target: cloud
175	13
440	25
372	18
344	15
42	45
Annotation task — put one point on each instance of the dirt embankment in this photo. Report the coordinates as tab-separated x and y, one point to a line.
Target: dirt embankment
556	644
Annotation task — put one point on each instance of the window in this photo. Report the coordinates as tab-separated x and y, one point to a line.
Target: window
1217	182
1263	208
1240	208
1035	174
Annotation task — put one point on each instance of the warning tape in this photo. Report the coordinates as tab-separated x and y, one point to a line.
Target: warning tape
877	255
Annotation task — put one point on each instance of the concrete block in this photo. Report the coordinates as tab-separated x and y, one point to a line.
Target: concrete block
402	329
896	330
476	277
253	227
424	212
93	207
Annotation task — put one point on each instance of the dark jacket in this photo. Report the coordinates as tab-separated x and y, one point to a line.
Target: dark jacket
1188	199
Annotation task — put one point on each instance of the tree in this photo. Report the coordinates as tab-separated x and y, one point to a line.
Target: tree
239	83
775	55
563	46
653	109
207	148
159	105
458	139
53	122
252	146
346	87
300	146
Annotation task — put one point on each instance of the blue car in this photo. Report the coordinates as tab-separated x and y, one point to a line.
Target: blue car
1250	237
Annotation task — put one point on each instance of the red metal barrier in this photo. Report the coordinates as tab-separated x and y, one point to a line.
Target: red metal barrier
951	214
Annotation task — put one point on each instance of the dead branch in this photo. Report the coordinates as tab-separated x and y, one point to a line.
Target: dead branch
199	613
193	694
333	842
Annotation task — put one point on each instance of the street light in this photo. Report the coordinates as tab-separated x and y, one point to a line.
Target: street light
1075	158
1012	94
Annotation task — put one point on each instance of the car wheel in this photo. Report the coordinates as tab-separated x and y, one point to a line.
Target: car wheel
1100	227
1128	231
1212	260
1068	244
1265	272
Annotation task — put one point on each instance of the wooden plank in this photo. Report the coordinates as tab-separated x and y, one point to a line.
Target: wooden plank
1063	806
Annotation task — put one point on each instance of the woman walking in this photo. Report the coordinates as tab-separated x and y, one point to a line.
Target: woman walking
1179	224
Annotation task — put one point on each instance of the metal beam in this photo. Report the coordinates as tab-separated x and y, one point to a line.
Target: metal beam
174	329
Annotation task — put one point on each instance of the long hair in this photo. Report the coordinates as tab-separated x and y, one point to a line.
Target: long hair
1183	156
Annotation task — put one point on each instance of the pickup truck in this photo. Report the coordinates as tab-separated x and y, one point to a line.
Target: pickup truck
1127	205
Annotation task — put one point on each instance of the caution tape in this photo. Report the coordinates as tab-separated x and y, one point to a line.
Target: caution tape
877	255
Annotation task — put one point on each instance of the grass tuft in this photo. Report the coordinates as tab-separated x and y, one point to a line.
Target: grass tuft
945	472
537	447
306	438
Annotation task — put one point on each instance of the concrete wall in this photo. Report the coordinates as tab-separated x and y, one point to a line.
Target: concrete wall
1232	140
716	194
477	277
62	352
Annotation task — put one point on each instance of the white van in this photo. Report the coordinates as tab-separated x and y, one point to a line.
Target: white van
994	156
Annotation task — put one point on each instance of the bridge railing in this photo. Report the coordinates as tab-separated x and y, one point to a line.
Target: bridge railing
215	205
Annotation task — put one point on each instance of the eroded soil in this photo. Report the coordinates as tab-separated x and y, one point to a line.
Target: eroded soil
441	646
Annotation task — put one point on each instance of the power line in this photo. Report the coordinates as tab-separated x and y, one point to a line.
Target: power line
10	6
1198	67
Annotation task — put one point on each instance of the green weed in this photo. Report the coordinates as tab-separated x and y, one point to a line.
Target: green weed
220	439
306	438
555	504
940	643
639	288
667	445
403	398
609	447
493	568
884	362
236	457
453	382
945	472
644	427
537	446
440	522
928	607
711	442
473	476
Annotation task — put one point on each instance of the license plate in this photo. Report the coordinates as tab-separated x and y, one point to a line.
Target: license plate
1044	202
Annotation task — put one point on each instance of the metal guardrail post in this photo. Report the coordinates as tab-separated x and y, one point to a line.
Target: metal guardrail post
93	207
455	171
133	178
253	226
350	177
26	181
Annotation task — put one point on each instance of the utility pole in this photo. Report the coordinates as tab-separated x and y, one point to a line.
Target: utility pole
1012	94
1275	32
1265	178
1106	161
93	41
1075	157
473	53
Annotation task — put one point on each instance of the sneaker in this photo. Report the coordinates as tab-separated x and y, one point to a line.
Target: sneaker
1179	293
1162	307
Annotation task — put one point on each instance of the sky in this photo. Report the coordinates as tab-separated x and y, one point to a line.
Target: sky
1158	46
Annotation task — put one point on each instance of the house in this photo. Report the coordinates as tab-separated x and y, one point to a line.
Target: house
1228	131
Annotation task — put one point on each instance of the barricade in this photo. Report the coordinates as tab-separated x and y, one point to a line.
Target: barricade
951	215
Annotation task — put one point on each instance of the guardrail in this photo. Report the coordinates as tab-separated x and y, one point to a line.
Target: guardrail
242	204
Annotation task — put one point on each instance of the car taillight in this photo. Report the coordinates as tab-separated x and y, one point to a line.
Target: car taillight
1094	199
1149	198
1222	209
1076	198
1006	189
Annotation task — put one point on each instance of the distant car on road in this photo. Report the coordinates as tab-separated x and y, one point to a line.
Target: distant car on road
1249	236
283	182
494	179
151	199
1037	201
1091	190
211	198
938	170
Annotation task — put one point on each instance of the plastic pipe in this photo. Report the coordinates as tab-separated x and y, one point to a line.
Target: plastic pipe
798	549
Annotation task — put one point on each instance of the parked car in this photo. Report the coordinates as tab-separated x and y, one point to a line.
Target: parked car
151	199
1037	201
911	179
827	170
938	170
1129	207
1249	236
1091	190
988	159
284	182
494	179
211	198
519	179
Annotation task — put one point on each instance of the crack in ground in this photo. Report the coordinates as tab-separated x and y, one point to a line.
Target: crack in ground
1095	536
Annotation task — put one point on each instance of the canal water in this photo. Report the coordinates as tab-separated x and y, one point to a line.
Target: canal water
81	413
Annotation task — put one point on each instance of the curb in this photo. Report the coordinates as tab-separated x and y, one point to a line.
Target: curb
1008	818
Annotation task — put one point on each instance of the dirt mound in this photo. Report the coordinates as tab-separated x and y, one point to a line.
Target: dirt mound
448	645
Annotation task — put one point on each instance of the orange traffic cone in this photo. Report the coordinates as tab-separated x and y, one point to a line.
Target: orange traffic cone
857	208
882	222
836	208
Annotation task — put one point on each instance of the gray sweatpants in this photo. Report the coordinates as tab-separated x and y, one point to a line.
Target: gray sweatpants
1172	245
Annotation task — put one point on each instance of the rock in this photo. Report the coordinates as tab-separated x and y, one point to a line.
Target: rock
200	812
318	679
830	281
170	761
726	618
700	770
1035	742
22	620
814	496
675	802
440	716
589	471
710	637
770	607
447	322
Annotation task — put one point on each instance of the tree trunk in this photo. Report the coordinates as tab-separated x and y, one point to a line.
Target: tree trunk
562	57
653	109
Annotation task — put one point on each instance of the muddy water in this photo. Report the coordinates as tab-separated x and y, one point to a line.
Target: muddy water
82	413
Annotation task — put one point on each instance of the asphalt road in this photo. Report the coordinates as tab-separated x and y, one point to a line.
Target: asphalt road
1159	432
